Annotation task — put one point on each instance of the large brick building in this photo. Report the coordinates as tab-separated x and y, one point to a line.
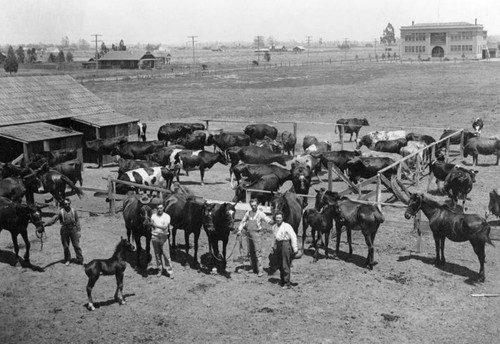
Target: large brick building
444	40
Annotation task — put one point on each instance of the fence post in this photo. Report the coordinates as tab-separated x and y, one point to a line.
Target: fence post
416	226
330	176
207	121
247	196
462	145
417	171
111	196
295	129
341	131
379	192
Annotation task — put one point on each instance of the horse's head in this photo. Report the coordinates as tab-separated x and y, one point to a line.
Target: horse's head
222	158
34	216
145	216
208	218
414	205
229	212
124	246
277	203
324	198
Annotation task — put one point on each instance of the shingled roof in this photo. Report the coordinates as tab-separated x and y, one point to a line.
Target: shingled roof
28	99
132	55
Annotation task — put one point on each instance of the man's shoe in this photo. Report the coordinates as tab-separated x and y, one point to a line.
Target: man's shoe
66	263
260	274
160	272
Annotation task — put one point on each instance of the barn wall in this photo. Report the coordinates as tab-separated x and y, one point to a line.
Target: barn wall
10	149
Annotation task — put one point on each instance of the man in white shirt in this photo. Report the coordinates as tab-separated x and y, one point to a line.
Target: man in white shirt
285	243
160	235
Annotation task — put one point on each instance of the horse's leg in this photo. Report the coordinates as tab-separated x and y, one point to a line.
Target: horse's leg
186	242
224	247
315	243
437	244
148	248
478	247
139	250
202	174
16	246
90	286
327	239
196	237
369	243
338	228
174	232
24	234
304	232
443	259
119	288
215	254
349	240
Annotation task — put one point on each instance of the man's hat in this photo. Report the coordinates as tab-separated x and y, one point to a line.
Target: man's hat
144	199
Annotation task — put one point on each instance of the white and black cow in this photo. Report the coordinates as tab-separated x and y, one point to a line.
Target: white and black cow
148	176
369	140
141	131
190	160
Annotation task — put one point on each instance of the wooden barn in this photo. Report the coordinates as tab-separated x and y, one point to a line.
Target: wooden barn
65	113
127	59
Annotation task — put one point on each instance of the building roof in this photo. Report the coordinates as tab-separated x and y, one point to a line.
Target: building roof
98	121
28	99
132	55
420	26
32	132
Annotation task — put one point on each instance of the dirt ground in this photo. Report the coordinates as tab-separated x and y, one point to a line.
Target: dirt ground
404	299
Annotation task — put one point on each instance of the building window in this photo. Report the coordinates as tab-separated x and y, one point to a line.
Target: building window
438	38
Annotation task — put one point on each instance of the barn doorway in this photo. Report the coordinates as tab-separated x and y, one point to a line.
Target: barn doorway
437	52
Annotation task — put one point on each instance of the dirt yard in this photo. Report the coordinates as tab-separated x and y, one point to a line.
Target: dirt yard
404	299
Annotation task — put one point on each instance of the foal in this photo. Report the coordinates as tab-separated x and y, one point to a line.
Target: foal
112	266
321	223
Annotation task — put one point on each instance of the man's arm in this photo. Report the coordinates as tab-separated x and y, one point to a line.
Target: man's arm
53	220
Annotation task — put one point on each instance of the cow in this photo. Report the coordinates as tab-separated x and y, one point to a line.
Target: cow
272	145
338	158
125	165
288	140
368	167
137	150
141	131
311	144
440	170
369	140
455	139
351	126
148	176
208	135
390	146
494	205
71	169
477	125
483	146
301	180
202	160
310	160
259	131
254	155
253	172
170	132
419	137
225	140
458	183
165	156
104	146
268	182
414	147
195	141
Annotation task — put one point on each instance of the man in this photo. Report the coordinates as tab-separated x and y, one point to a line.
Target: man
159	236
252	222
285	242
70	231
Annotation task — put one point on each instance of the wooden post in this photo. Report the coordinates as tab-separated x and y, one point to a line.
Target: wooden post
341	131
330	176
26	155
247	196
417	170
447	154
207	121
46	146
462	145
295	129
416	226
111	195
379	193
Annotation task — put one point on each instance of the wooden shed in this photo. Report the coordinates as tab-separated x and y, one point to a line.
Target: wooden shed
128	59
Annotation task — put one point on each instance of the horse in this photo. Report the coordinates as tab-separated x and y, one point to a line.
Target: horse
320	222
54	183
218	222
115	265
354	216
291	207
458	227
137	217
15	217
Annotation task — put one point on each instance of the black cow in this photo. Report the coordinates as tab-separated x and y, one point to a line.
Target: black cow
254	155
458	183
173	131
199	159
494	205
338	158
259	131
288	140
193	141
104	146
71	169
440	170
125	165
419	137
483	146
225	140
254	172
368	167
163	156
137	150
269	182
311	144
390	146
301	180
141	131
477	125
351	126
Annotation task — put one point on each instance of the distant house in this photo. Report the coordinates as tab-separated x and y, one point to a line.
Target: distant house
128	59
261	50
162	56
298	49
278	48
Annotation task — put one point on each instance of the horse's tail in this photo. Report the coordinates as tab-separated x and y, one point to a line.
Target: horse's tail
73	187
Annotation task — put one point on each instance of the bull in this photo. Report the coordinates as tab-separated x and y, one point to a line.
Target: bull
259	131
483	146
351	126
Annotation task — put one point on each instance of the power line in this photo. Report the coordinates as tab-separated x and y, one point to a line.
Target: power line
193	41
96	50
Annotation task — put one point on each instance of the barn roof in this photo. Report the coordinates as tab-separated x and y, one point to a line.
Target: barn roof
27	99
32	132
133	55
99	121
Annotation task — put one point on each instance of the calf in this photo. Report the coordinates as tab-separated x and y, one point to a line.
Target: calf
137	150
311	144
288	140
148	176
272	145
224	140
440	170
259	131
253	172
193	141
125	165
422	138
369	140
476	146
368	167
104	146
458	183
338	158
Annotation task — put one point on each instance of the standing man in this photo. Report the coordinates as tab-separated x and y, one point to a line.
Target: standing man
70	231
285	242
160	235
252	222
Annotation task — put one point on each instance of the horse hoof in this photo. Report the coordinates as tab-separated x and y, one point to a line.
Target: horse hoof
214	270
90	307
122	302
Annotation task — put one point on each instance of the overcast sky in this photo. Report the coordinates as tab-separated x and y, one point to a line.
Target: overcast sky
171	22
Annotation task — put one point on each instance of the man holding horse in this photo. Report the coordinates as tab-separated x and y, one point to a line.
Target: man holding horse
70	231
159	236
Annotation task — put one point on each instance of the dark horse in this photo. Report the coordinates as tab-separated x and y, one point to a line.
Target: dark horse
137	217
186	212
458	227
113	266
54	183
14	217
354	216
321	223
291	207
218	222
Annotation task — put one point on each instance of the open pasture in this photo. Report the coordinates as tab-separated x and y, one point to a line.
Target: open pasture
404	299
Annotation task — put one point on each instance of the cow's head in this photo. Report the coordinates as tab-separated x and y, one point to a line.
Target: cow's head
239	194
364	121
221	157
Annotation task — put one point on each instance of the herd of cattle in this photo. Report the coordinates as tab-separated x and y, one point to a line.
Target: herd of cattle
261	159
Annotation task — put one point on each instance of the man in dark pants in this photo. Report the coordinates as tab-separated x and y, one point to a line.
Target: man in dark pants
285	243
70	231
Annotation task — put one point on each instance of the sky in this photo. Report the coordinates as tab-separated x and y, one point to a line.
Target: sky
173	22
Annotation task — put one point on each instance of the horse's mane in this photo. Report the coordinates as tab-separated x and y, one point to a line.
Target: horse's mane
119	247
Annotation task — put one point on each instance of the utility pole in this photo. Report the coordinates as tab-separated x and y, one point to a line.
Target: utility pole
193	41
345	48
96	51
308	42
258	47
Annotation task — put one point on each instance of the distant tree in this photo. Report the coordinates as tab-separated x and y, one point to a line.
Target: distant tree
20	55
104	49
60	57
52	58
270	41
69	56
388	35
122	46
83	44
320	41
114	47
152	47
31	55
65	42
10	65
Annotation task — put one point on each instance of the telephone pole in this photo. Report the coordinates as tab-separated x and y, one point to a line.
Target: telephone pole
96	50
258	47
375	40
308	41
345	48
193	41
